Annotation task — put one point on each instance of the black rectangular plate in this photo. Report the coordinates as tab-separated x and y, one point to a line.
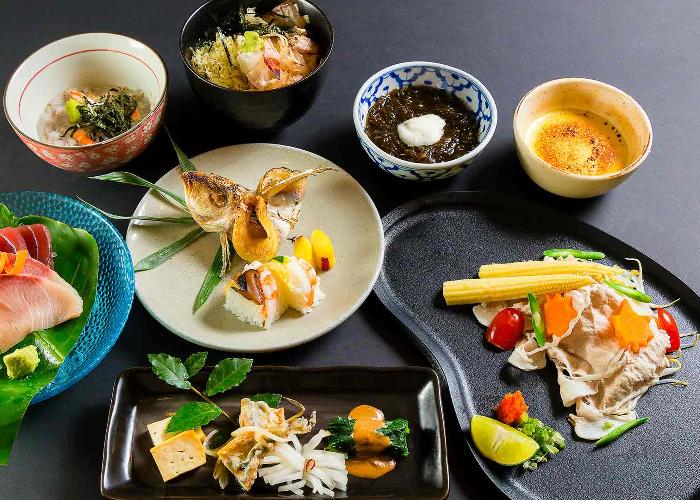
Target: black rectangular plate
139	398
448	236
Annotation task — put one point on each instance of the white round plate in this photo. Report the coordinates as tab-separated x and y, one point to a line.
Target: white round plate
334	202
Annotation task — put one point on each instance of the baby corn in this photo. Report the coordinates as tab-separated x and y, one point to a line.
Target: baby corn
539	268
474	291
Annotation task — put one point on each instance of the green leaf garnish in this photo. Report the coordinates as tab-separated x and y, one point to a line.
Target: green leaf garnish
7	218
170	369
272	399
195	362
186	164
228	373
135	180
164	254
211	281
193	415
187	219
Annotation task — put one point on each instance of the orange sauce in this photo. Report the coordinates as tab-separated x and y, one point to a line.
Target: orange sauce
369	463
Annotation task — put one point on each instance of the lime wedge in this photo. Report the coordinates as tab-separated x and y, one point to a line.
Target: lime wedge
501	443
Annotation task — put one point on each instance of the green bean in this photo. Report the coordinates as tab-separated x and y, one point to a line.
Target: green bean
632	293
537	321
578	254
619	431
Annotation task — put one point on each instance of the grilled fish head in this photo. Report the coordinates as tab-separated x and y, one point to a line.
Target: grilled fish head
213	200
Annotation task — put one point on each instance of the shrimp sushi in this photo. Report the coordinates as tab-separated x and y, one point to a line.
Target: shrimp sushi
261	293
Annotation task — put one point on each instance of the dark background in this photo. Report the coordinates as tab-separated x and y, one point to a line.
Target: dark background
647	48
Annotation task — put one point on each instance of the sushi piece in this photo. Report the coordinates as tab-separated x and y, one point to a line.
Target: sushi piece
261	293
35	238
34	299
300	285
254	296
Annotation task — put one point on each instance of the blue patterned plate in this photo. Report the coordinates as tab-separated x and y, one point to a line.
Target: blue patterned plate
115	282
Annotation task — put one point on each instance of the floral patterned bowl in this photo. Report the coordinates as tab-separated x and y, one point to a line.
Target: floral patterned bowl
80	60
455	81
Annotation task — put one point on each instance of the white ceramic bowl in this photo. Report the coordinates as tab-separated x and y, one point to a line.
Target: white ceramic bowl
587	95
85	60
455	81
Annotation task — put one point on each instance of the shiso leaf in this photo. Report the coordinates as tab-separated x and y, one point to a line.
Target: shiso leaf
186	164
211	281
7	218
193	415
170	369
195	362
228	373
187	219
164	254
272	399
135	180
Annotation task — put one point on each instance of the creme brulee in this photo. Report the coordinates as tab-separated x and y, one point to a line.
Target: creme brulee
578	142
369	463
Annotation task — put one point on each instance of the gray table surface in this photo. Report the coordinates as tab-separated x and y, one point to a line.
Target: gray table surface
648	48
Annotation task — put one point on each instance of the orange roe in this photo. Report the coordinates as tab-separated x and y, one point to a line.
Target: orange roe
631	330
558	313
512	409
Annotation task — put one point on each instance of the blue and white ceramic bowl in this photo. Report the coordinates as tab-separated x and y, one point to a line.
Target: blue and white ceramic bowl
453	80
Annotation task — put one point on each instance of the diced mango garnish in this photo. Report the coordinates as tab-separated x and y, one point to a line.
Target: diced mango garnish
303	249
631	330
324	255
558	312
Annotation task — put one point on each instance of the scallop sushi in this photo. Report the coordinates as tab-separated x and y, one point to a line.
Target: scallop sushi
261	293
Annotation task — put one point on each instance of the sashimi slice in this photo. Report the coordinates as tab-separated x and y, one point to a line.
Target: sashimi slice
11	240
29	240
43	242
36	299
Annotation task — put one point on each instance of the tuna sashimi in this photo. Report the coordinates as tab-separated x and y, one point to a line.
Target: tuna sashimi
35	238
11	240
35	299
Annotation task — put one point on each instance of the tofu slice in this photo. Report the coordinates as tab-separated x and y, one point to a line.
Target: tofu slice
179	454
157	432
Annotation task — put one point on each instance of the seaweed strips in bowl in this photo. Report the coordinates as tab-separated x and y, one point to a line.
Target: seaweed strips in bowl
76	261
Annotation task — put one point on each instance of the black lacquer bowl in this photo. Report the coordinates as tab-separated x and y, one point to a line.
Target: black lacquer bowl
266	110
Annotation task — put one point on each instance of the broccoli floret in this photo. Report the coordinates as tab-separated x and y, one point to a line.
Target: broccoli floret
551	442
21	362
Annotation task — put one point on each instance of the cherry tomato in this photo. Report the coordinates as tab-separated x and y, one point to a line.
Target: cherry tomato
506	328
668	324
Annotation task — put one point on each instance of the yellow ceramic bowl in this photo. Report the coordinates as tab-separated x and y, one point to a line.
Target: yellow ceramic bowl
586	95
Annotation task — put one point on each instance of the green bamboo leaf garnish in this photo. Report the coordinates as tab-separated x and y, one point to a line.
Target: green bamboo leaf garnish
193	415
272	399
195	362
170	370
211	281
135	180
228	373
187	219
156	259
186	164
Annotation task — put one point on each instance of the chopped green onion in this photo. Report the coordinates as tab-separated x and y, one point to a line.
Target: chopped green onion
630	292
619	431
570	252
537	320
